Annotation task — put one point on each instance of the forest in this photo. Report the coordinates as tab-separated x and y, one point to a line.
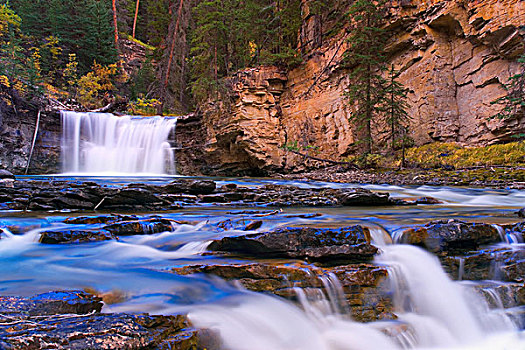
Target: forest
68	47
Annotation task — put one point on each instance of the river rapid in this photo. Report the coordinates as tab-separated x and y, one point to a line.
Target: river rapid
433	311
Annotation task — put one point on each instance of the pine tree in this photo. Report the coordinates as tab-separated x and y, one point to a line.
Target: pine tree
395	108
366	59
514	101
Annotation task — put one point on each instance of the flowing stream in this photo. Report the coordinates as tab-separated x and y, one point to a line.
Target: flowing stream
433	311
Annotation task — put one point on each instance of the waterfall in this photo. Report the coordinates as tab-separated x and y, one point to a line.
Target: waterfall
102	143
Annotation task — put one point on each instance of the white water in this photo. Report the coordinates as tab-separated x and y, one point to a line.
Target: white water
102	143
434	312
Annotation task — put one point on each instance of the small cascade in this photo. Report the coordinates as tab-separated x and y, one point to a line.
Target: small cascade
461	268
379	236
440	311
5	233
102	143
508	237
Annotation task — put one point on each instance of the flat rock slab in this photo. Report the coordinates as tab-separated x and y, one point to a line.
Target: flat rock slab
350	243
117	225
52	303
72	320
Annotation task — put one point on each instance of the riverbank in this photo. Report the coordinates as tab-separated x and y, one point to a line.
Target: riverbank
478	177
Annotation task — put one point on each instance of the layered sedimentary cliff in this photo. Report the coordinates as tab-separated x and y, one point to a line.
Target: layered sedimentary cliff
454	57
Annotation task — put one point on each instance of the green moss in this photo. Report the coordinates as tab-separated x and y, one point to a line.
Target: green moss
449	154
137	41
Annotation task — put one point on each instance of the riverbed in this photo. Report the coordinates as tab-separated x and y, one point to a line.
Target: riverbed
432	311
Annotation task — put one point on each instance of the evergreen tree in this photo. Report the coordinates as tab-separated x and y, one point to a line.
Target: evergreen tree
366	59
395	109
83	27
514	101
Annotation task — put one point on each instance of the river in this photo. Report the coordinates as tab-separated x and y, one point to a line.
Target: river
439	313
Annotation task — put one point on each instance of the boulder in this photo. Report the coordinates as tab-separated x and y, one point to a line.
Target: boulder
75	236
449	235
350	243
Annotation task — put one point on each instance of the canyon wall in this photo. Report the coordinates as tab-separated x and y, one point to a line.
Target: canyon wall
454	57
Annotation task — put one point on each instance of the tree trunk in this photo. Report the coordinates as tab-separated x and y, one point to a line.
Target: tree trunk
173	42
392	112
115	24
368	116
136	16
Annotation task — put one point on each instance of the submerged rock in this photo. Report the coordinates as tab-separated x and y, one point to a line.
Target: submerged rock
350	243
72	320
447	235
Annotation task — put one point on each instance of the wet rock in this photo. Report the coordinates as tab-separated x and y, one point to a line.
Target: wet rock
359	196
4	174
503	295
71	320
75	236
516	230
516	271
521	213
52	303
238	224
131	198
449	235
505	264
350	243
416	201
101	219
140	227
99	331
363	285
191	186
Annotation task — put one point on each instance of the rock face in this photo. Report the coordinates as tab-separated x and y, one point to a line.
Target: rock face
453	57
16	135
350	243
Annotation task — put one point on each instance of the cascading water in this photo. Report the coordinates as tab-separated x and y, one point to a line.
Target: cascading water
102	143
